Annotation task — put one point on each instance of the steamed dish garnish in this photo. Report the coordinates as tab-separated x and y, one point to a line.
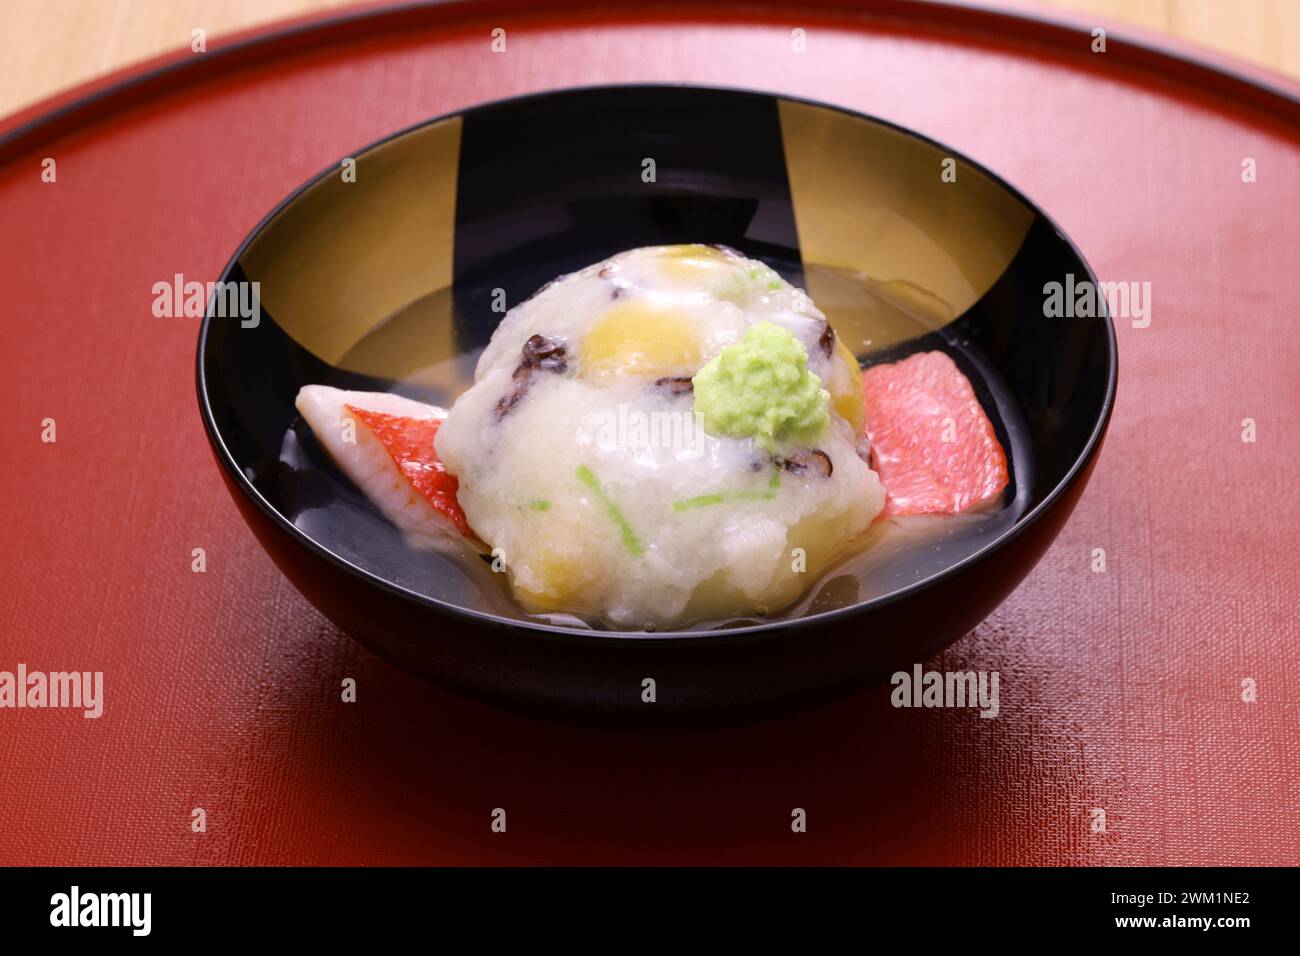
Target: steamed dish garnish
761	388
931	470
675	434
385	443
672	407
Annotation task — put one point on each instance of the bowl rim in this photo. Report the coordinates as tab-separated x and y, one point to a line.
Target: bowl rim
746	633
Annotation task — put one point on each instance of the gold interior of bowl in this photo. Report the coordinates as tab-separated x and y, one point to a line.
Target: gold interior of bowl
344	257
927	229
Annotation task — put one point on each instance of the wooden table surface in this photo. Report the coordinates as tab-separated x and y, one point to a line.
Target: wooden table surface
49	46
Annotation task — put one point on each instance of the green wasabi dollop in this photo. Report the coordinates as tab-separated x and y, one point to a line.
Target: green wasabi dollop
761	388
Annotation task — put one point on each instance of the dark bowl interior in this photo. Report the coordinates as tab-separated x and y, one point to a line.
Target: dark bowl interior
381	275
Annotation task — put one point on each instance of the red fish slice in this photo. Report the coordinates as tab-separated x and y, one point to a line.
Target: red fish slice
934	448
409	442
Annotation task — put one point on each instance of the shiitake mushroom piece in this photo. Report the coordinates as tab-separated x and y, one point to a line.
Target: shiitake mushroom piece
808	461
676	385
541	351
540	354
827	340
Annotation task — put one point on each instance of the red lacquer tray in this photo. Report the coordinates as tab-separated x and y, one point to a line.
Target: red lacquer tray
1121	691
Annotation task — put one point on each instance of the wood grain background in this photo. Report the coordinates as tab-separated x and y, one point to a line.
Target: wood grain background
50	45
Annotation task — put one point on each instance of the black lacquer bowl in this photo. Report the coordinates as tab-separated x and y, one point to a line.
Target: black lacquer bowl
382	272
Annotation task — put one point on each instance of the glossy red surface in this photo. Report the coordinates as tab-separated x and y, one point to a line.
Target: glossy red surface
1120	690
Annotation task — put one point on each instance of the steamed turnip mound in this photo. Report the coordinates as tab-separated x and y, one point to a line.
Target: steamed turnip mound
671	435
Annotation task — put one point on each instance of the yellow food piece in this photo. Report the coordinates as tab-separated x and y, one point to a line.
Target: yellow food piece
696	266
688	250
640	338
559	576
846	387
555	583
